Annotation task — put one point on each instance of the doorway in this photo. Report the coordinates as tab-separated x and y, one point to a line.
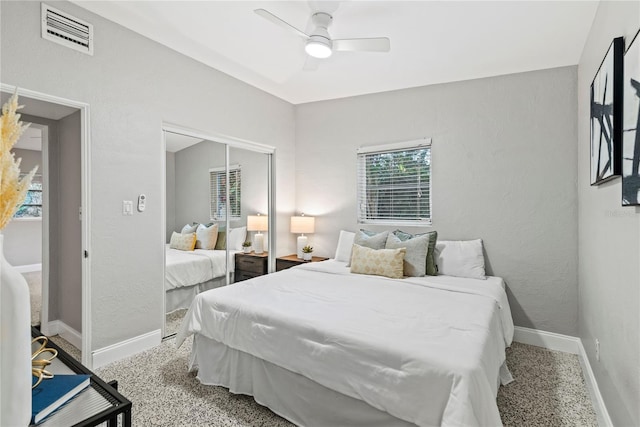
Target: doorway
58	204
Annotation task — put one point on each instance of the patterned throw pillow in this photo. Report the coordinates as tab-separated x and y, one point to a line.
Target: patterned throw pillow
183	242
206	236
432	268
378	262
415	260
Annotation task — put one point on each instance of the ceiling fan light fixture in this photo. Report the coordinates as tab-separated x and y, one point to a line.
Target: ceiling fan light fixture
318	47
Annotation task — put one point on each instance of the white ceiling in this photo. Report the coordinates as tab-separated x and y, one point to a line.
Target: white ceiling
431	41
175	142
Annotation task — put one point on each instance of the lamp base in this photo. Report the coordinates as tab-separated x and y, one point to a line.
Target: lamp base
302	242
258	243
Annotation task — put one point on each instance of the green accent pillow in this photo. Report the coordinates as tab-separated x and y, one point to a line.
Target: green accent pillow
221	243
432	268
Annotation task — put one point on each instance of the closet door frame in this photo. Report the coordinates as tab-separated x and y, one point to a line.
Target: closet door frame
229	142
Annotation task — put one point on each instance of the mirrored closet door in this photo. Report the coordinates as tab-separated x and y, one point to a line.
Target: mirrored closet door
215	193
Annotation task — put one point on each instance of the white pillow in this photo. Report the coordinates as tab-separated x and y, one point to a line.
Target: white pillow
236	238
461	258
206	237
345	243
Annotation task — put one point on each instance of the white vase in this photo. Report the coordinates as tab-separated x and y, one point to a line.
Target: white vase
15	345
307	256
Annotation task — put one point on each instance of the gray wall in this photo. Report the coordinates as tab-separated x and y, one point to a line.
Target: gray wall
23	238
609	243
170	201
132	85
504	170
68	226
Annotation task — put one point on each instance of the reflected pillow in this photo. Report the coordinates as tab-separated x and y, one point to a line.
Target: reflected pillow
206	236
378	262
183	242
221	242
432	267
236	238
463	258
415	260
189	228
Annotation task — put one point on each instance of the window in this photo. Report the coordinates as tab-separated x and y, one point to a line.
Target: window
218	184
394	183
32	206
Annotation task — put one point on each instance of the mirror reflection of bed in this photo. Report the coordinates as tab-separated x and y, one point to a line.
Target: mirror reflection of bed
201	242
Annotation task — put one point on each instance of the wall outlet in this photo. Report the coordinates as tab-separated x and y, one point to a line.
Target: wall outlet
597	349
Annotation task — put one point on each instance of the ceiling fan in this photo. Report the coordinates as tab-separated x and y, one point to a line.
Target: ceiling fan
319	43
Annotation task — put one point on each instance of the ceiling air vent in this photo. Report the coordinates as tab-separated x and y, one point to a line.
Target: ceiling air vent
62	28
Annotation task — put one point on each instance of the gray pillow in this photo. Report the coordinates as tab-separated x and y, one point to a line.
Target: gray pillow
432	268
188	229
369	239
415	259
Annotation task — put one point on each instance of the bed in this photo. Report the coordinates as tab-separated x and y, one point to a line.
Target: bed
188	273
321	346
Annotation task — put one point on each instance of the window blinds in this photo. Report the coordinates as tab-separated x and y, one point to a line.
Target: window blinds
217	184
394	184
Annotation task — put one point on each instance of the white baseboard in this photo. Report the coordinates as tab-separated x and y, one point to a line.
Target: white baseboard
548	340
115	352
58	327
573	345
28	268
604	420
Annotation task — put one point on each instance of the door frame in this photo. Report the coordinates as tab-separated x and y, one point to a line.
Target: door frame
229	141
85	183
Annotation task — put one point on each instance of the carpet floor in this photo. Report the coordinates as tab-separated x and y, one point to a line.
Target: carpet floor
34	280
548	390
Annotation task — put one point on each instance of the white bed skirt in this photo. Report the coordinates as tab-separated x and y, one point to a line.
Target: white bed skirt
290	395
178	298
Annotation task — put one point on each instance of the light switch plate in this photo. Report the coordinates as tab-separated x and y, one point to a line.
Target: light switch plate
127	207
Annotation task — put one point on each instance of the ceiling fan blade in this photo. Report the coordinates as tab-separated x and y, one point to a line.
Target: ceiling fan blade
380	44
273	18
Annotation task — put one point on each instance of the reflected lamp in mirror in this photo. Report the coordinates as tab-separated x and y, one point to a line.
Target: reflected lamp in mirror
258	223
302	225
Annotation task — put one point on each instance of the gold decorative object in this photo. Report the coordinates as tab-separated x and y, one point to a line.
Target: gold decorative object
38	365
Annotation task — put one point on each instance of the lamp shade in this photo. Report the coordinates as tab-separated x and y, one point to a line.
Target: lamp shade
257	222
303	224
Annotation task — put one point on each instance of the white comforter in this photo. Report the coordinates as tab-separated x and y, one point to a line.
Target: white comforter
188	268
426	350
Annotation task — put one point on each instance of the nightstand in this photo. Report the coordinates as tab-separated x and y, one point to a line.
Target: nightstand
284	262
250	265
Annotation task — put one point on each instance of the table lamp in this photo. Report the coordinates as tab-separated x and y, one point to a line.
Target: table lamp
301	225
258	223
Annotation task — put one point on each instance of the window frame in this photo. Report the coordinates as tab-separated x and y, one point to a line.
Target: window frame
213	209
361	187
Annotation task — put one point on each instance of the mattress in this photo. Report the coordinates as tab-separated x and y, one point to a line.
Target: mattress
188	268
427	351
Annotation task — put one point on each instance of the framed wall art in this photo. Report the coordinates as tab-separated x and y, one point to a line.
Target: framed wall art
631	125
606	116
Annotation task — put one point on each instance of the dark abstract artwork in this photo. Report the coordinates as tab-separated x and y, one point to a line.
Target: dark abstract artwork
631	126
606	116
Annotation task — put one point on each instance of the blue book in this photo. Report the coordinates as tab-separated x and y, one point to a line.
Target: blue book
54	392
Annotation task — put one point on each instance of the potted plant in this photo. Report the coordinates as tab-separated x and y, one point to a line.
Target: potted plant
246	246
307	253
